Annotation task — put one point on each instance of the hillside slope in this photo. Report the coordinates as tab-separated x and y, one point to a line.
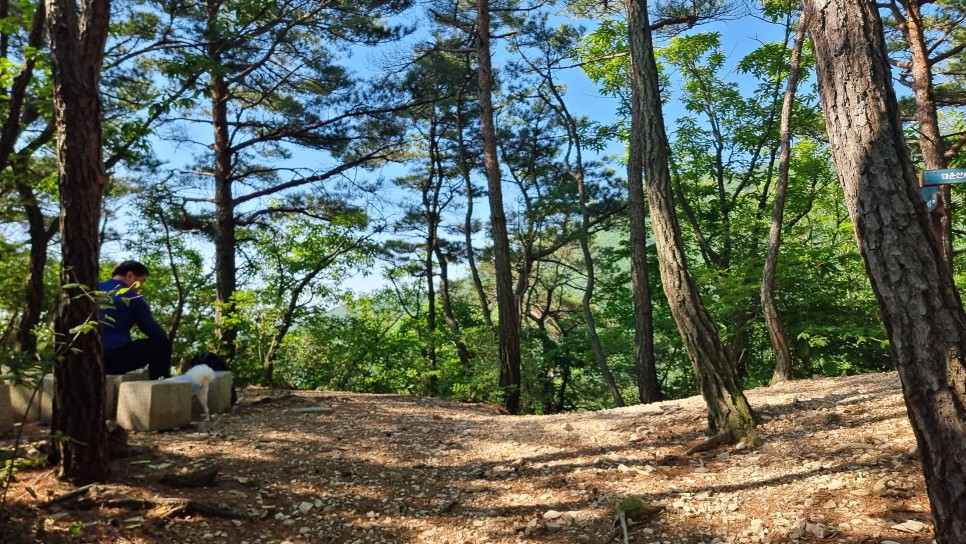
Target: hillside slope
838	465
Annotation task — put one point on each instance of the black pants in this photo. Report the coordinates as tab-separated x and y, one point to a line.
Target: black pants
155	353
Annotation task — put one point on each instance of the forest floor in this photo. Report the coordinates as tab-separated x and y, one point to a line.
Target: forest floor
839	464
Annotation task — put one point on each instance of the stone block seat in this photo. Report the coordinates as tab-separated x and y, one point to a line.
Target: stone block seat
112	385
153	405
25	405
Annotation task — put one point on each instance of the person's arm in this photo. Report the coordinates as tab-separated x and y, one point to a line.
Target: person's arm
144	319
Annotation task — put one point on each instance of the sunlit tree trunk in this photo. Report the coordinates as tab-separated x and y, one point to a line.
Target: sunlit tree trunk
224	225
773	319
507	305
648	385
920	305
729	414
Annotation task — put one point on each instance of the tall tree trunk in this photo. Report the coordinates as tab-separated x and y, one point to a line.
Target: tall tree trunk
507	306
930	140
773	319
431	308
465	171
729	413
224	227
920	305
648	385
431	213
225	268
77	37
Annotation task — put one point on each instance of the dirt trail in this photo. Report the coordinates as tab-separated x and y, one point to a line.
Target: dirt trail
839	465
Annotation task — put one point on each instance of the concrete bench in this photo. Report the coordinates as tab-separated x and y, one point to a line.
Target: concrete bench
153	405
41	408
112	384
25	405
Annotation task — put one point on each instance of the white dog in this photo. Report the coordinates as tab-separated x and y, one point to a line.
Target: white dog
199	377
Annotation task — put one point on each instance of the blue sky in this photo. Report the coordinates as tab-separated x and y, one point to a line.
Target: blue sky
738	38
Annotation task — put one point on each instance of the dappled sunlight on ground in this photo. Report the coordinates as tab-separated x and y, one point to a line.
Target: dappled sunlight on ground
838	465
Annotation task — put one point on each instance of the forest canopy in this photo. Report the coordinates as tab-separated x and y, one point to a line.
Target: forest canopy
307	183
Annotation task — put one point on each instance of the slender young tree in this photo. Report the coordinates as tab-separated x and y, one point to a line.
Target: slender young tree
729	414
437	81
78	33
919	303
648	385
549	92
508	306
777	332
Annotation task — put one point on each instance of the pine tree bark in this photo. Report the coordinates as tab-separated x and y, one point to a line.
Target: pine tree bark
648	385
224	226
431	357
78	32
773	319
728	410
920	306
507	305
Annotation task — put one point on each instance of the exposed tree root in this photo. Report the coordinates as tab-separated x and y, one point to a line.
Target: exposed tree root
712	443
198	478
163	507
750	440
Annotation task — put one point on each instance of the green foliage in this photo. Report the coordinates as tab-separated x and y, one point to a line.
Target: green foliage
298	245
371	347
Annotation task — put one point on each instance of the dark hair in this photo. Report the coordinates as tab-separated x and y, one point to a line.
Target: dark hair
129	266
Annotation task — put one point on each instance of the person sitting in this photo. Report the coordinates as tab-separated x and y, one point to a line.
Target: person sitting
122	312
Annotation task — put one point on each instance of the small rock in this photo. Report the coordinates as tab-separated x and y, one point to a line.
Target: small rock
881	486
614	458
552	514
911	526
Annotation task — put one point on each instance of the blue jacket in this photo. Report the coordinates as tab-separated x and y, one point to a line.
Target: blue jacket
123	312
